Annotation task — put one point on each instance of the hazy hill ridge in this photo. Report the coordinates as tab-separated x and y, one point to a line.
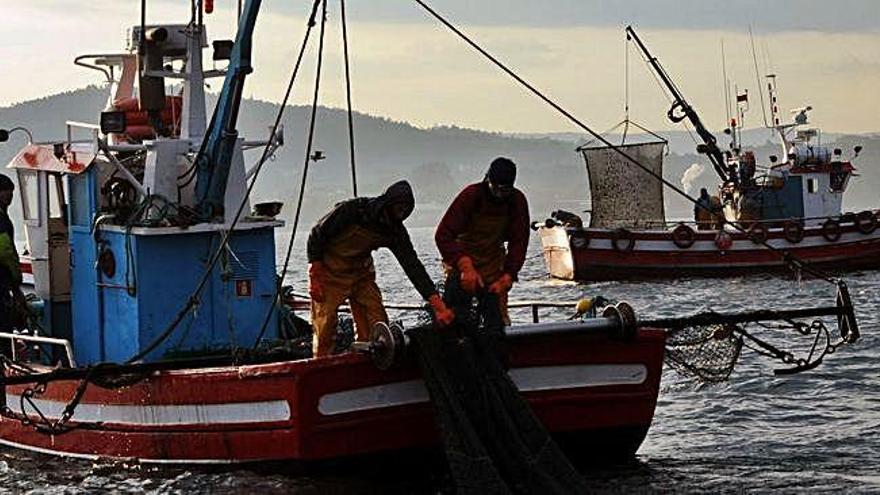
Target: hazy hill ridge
438	161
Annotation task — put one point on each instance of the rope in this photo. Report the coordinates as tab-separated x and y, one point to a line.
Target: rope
354	186
789	258
193	299
302	187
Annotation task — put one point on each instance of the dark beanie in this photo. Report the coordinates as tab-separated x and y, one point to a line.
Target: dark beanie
6	183
502	172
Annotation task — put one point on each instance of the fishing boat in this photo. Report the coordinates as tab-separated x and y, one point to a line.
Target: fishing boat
123	222
758	219
159	331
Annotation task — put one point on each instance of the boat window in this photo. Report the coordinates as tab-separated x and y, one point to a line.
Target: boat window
30	198
57	197
812	185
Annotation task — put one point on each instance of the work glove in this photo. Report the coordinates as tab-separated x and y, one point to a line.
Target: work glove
442	313
502	285
317	280
470	277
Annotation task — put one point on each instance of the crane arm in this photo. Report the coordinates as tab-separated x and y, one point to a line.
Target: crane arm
213	165
681	110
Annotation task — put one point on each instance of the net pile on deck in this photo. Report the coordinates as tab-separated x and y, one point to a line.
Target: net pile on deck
493	441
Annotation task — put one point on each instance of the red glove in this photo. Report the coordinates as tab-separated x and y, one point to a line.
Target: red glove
502	285
317	279
470	277
442	313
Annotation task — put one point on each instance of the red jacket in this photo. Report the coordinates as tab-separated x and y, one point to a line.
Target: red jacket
471	199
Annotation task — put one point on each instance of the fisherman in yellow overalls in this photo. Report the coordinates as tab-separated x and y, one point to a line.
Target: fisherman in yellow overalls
472	235
341	267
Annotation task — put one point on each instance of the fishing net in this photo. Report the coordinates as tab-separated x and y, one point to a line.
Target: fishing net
705	352
493	441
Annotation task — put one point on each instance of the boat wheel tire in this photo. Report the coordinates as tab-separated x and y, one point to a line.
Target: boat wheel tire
622	240
793	231
866	222
683	236
831	230
758	233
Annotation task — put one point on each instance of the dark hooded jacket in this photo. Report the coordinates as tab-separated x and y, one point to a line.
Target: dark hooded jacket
372	214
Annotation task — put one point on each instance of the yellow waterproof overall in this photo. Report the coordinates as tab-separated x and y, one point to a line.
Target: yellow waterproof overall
350	274
484	244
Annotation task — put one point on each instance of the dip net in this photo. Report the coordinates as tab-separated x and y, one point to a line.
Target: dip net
493	441
707	353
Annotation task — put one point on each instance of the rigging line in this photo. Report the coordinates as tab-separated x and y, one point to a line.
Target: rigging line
302	187
656	78
354	186
786	256
626	78
192	301
758	77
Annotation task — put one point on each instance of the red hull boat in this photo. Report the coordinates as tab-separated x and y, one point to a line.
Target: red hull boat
605	254
587	389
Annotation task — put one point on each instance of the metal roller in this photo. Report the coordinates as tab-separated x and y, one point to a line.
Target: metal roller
387	346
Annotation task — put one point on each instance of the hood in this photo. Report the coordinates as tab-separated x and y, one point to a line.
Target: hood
399	193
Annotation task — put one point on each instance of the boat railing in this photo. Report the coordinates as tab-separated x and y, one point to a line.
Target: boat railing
13	337
533	305
73	125
843	218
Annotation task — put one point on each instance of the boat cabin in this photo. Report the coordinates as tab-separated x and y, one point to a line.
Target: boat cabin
113	219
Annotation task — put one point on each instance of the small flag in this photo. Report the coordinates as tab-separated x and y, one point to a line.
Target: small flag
743	98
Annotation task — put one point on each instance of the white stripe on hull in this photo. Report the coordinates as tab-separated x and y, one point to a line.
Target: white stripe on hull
526	379
165	415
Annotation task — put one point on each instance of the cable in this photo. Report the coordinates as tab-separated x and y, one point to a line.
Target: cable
354	186
192	301
787	257
302	187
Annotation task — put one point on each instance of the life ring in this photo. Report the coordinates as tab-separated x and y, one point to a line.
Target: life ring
758	233
793	231
831	230
866	222
622	235
683	236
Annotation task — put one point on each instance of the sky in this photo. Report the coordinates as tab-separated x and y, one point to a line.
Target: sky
407	67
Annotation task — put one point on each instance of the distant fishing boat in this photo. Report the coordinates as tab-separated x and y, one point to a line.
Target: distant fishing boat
794	206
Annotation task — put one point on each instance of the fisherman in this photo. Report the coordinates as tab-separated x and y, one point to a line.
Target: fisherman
11	297
473	232
747	166
703	210
340	250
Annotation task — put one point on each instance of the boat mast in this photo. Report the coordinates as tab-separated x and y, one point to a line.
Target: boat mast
710	144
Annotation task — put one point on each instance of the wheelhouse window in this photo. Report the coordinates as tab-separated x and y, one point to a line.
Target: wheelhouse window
812	185
30	198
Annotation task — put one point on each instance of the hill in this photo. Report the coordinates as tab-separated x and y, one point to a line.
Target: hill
438	161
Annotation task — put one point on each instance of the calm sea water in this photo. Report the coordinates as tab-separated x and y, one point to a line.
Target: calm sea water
818	431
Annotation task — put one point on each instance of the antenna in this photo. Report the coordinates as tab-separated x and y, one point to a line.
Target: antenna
726	84
758	77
